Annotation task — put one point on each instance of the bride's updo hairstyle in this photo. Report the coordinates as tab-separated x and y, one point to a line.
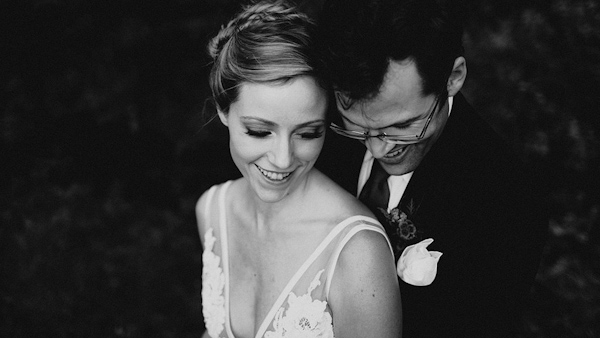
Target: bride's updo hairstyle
266	42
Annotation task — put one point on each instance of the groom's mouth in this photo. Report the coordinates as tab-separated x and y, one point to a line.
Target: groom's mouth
394	155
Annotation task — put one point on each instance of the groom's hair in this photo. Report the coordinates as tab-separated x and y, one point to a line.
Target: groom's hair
358	39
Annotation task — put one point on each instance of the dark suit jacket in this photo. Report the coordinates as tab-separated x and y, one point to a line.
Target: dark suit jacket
486	214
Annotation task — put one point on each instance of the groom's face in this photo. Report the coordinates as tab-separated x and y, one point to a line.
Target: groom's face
399	106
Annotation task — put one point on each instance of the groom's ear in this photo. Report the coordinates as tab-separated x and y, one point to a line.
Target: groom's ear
457	77
223	117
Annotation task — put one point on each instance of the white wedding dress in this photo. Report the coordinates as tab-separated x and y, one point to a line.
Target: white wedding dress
301	310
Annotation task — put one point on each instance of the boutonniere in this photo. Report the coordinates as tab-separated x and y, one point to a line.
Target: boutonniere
404	227
418	266
404	230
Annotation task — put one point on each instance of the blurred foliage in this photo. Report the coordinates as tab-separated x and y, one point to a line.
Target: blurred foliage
535	72
103	154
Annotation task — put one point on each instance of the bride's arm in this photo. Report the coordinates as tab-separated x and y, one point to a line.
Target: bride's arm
364	295
201	216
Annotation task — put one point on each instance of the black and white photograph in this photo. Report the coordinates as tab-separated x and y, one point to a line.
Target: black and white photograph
299	168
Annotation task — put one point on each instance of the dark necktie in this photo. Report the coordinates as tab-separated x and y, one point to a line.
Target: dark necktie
376	192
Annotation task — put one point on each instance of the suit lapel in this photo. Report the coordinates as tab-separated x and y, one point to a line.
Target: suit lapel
443	153
418	201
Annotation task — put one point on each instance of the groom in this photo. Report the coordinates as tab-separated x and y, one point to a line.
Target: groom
432	169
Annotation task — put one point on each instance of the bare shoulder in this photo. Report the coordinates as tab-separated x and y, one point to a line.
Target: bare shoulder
201	206
367	252
206	206
202	202
365	278
337	200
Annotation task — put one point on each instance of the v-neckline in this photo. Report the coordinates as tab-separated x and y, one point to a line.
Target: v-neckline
290	284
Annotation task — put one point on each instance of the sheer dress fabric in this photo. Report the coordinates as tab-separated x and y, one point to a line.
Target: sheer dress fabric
301	310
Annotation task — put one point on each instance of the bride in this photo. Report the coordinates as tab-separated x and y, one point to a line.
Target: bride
287	253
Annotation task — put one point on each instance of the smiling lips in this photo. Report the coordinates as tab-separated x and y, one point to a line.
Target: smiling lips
273	176
394	153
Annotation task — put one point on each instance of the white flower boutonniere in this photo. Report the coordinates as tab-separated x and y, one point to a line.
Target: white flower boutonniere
417	266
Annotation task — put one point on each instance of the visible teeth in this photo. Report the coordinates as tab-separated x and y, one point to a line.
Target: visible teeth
394	153
274	176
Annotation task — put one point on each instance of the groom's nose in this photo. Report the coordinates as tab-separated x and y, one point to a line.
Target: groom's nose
378	147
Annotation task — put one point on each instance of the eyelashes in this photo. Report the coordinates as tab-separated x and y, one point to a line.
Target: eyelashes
312	135
304	135
257	133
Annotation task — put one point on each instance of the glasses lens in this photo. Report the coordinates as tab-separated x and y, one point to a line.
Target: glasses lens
396	139
406	135
400	139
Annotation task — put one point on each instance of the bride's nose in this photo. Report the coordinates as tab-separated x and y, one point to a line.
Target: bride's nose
281	154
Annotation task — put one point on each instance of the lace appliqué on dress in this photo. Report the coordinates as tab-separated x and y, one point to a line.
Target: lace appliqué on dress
304	318
213	282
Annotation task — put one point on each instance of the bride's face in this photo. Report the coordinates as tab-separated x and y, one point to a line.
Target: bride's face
276	134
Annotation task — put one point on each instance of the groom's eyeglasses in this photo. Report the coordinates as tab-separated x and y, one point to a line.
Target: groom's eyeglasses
408	134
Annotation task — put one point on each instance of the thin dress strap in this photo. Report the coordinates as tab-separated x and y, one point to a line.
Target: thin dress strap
209	201
288	288
368	224
225	251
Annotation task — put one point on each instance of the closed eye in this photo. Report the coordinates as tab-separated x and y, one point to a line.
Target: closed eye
311	135
258	133
402	126
312	132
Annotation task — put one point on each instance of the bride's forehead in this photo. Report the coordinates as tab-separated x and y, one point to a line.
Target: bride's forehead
300	91
280	105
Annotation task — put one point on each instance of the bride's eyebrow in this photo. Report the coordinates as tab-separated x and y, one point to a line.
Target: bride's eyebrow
272	124
310	123
257	119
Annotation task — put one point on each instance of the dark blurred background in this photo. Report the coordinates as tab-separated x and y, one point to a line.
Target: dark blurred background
103	155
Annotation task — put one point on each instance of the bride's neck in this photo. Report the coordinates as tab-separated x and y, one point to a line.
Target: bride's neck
269	215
